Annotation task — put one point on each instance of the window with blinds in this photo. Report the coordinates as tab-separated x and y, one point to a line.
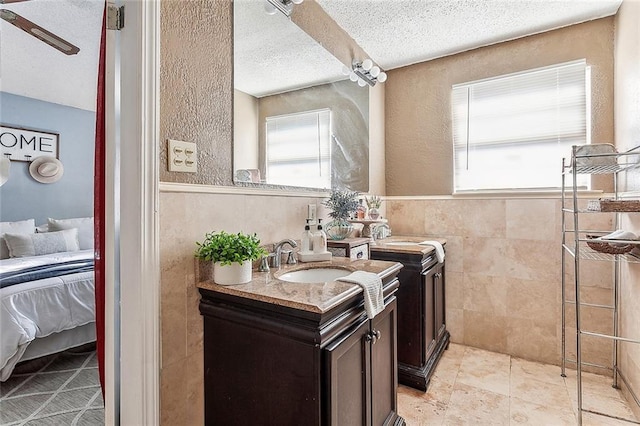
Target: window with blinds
299	149
512	131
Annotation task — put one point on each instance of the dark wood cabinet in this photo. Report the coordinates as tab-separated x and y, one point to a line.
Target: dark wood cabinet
275	365
422	332
361	373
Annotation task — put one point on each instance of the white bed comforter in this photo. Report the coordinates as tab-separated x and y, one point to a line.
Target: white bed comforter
42	307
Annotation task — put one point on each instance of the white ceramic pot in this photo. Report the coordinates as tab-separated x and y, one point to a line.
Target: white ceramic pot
235	273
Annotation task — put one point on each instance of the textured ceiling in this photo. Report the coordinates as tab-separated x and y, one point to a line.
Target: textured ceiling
273	55
401	32
31	68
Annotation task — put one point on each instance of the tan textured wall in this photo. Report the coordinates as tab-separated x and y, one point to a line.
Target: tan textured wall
504	273
627	122
419	148
196	86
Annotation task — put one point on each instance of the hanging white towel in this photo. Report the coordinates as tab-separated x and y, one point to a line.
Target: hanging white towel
372	287
438	248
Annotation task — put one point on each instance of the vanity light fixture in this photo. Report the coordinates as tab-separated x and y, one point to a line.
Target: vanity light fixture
364	73
284	6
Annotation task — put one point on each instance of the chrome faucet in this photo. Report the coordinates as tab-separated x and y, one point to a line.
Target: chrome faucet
378	233
277	249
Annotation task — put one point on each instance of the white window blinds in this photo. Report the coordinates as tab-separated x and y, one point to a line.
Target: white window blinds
298	149
511	132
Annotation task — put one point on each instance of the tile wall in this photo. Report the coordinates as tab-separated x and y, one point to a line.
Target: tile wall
504	273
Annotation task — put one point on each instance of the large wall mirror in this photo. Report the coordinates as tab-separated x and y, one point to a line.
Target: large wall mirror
298	121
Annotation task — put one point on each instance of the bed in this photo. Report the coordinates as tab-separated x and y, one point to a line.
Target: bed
47	305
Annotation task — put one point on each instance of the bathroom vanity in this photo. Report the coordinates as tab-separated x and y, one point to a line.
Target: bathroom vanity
422	331
291	353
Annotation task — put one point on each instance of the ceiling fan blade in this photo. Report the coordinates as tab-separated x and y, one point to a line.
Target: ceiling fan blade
38	32
11	1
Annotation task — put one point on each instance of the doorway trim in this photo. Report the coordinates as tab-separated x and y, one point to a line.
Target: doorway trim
133	336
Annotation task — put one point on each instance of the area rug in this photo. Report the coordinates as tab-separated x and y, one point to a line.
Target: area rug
62	389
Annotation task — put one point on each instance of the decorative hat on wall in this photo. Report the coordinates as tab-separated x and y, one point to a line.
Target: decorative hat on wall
46	169
5	165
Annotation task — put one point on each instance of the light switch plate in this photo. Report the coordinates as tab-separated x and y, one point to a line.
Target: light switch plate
183	156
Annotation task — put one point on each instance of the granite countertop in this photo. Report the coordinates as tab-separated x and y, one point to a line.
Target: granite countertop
311	297
384	244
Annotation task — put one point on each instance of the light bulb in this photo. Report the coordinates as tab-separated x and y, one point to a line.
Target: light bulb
353	76
346	70
361	82
269	9
297	1
374	72
382	77
367	64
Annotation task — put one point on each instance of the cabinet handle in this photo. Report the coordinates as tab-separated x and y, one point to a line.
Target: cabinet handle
373	336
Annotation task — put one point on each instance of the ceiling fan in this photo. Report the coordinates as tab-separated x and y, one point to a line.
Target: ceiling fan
36	30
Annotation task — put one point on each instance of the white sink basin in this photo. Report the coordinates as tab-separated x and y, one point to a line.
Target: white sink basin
314	275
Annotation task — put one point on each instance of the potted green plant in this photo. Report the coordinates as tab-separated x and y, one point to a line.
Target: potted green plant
373	203
232	255
342	203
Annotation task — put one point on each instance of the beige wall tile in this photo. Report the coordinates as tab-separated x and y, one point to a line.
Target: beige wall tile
485	331
530	219
454	293
173	389
406	217
483	218
445	217
173	321
486	294
195	390
535	300
454	252
455	324
535	340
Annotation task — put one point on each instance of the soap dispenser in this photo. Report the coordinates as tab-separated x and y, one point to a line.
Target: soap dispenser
307	239
320	239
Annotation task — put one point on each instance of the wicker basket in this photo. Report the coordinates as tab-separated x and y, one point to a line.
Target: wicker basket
620	205
610	248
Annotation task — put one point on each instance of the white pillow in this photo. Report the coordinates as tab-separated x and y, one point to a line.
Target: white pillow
83	224
23	245
21	227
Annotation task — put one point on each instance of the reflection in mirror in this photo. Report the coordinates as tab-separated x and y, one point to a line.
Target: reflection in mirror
297	121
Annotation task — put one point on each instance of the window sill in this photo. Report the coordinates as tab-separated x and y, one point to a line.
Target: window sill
523	193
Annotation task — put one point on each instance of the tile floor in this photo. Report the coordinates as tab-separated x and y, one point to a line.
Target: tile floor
476	387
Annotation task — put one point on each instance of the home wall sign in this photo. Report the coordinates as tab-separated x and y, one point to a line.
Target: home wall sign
20	144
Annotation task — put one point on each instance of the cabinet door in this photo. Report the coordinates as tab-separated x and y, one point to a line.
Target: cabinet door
439	300
429	311
346	388
384	366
